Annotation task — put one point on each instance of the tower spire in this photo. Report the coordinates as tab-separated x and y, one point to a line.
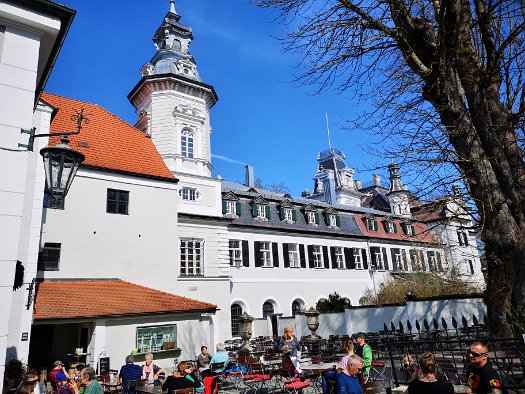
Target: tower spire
172	7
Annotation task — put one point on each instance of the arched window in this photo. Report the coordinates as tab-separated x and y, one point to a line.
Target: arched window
176	45
186	143
235	312
267	309
297	306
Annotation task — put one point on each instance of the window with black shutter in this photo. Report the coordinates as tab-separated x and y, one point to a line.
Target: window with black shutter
275	252
245	254
365	259
325	257
286	257
302	255
334	259
311	256
257	252
349	258
385	257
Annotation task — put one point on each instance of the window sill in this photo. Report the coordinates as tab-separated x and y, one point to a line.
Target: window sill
191	276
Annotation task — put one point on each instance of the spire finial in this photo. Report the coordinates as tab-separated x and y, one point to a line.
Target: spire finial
172	7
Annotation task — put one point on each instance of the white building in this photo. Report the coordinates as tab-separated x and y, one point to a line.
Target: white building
31	35
223	243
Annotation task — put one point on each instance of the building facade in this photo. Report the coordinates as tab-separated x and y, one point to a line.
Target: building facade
233	245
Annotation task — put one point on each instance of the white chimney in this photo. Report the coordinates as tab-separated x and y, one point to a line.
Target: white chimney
377	179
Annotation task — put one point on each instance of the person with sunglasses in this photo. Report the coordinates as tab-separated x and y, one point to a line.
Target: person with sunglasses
482	378
32	377
348	379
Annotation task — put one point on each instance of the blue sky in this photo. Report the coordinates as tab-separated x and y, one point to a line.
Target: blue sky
260	119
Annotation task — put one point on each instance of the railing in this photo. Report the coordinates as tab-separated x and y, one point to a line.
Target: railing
449	344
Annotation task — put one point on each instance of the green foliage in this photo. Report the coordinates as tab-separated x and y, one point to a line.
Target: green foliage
14	370
334	303
420	286
517	316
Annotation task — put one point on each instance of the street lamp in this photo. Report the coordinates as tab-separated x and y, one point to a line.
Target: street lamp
61	162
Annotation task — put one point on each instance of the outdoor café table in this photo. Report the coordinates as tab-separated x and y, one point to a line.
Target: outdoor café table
319	367
111	387
149	389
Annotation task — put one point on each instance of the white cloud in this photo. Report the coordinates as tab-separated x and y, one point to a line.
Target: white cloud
228	159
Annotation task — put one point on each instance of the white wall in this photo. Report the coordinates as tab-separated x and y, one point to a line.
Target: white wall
21	55
140	247
120	338
372	319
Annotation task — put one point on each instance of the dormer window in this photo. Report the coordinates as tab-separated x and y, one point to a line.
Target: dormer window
310	217
390	227
332	220
409	229
231	207
261	211
288	214
371	224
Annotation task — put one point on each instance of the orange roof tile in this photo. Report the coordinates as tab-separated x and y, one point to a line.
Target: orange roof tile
107	141
422	231
73	299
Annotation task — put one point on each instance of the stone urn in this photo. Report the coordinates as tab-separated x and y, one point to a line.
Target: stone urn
245	331
312	320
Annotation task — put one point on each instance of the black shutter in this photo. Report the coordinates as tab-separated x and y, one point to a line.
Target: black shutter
393	253
365	260
294	215
238	208
286	256
257	251
373	258
405	261
275	252
281	213
245	254
268	212
254	210
311	256
385	256
332	255
338	221
349	258
438	258
223	207
303	257
325	257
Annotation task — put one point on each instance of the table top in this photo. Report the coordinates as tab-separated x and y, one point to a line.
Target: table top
149	389
318	367
272	362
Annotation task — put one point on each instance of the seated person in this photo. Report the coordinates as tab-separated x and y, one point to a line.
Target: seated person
32	377
364	351
329	377
150	371
183	378
220	357
77	378
409	369
63	383
348	379
129	371
290	346
203	362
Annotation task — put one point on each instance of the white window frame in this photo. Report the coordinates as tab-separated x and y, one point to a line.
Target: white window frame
317	252
339	257
357	258
311	217
332	220
390	227
191	250
266	254
371	224
187	143
231	207
463	238
293	256
432	261
261	211
398	262
189	194
235	251
415	259
411	230
288	214
380	265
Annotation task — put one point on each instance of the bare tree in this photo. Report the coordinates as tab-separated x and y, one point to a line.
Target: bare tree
447	80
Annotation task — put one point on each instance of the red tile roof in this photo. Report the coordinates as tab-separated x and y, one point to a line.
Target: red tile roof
422	231
107	141
64	300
